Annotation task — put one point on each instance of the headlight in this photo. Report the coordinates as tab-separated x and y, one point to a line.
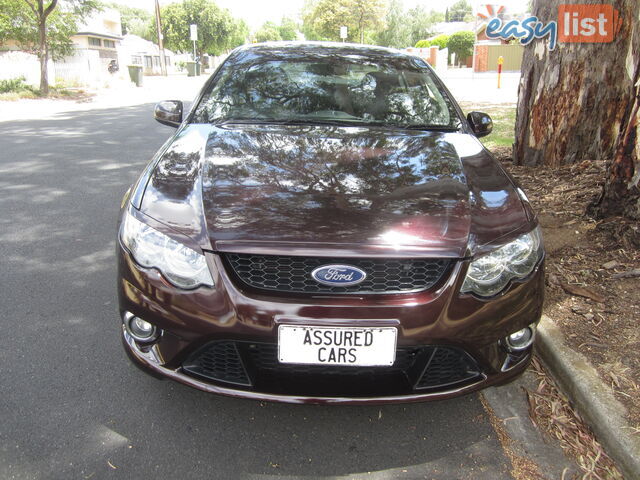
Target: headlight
489	274
182	266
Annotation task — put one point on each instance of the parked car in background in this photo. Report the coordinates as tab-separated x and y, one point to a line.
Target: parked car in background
325	226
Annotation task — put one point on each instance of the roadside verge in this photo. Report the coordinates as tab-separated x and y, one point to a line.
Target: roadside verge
591	397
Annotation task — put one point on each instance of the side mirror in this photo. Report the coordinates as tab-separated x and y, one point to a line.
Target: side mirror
480	123
169	112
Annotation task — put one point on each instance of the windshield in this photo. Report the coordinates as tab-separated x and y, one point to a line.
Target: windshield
345	89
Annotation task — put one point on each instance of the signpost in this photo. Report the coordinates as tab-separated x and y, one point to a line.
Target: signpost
193	29
343	34
163	65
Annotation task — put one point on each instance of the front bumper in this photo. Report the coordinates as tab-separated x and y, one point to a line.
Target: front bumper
192	320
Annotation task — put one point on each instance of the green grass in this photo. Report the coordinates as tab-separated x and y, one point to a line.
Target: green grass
17	89
504	122
12	96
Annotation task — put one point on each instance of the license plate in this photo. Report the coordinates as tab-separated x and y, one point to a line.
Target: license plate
357	346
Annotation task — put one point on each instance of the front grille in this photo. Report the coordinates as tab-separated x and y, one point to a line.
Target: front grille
218	361
255	366
446	367
293	274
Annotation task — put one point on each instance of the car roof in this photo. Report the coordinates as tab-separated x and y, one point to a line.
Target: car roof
336	48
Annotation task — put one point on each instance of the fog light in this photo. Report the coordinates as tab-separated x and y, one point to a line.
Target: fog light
140	329
520	340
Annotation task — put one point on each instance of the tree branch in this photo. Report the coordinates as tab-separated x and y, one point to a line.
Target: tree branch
50	8
32	7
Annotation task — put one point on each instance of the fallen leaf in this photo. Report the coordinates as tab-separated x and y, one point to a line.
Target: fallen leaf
583	292
628	274
579	309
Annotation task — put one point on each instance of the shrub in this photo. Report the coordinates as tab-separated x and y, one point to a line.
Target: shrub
15	85
461	43
440	41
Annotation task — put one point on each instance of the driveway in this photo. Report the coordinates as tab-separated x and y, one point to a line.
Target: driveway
467	86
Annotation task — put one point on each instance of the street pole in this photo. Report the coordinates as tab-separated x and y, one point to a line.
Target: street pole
193	35
163	65
475	43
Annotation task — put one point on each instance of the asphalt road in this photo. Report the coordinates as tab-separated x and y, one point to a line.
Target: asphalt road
71	404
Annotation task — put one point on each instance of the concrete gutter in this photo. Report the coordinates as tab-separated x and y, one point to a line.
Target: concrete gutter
591	397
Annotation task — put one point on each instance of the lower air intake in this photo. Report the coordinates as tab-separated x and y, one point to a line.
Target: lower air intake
255	366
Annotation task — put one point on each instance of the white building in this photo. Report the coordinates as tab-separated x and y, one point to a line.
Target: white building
134	50
102	32
96	45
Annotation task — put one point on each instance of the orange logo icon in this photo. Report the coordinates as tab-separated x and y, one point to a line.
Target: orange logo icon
587	23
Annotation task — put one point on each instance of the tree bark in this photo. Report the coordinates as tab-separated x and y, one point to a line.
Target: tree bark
44	59
575	100
42	14
621	194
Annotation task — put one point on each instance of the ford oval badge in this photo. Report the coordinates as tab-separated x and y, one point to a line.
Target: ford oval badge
338	275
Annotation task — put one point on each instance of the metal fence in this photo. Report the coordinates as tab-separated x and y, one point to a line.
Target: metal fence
512	55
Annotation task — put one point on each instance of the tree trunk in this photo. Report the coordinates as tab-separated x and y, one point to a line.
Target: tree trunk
574	100
44	58
621	194
42	13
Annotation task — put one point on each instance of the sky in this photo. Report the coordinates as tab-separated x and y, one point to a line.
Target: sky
256	12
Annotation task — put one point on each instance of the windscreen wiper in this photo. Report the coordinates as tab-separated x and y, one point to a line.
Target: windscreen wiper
292	121
241	120
340	123
430	128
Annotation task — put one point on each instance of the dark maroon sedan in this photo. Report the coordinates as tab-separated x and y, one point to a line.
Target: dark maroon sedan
325	226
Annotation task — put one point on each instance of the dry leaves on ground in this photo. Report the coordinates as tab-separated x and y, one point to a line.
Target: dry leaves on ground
592	292
550	410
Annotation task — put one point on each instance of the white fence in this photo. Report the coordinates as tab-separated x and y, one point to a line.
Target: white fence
84	68
15	64
441	61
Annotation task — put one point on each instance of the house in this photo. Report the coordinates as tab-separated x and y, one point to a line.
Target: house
488	51
95	47
481	36
134	50
101	32
449	28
